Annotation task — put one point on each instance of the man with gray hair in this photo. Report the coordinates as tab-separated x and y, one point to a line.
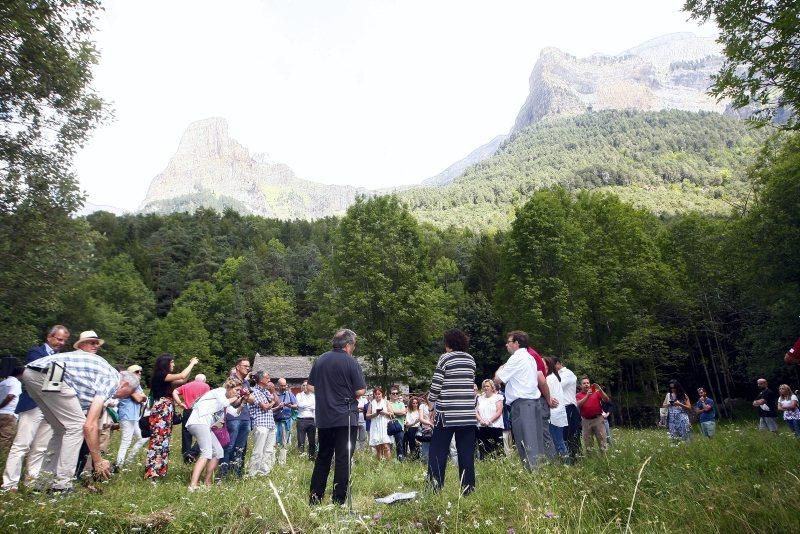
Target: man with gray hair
71	389
263	456
338	381
33	432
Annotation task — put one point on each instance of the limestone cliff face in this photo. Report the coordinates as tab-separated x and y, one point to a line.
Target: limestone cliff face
669	72
210	169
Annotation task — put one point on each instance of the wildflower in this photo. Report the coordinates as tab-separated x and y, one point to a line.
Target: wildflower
550	515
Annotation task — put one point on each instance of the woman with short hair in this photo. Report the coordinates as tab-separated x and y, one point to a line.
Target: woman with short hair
162	383
209	411
489	411
453	399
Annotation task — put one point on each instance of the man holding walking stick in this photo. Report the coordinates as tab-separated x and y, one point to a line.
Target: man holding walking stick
338	381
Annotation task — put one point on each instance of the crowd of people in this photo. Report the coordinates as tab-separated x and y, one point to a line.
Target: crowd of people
677	410
59	424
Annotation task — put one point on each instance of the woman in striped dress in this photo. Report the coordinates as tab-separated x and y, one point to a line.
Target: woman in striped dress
453	400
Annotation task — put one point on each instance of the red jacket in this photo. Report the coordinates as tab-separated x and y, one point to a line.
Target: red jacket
793	356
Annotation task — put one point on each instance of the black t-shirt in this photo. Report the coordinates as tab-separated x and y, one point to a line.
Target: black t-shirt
772	402
160	387
336	376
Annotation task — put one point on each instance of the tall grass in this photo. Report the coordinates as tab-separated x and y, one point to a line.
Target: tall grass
741	481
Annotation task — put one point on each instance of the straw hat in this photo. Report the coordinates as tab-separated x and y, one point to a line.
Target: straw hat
88	335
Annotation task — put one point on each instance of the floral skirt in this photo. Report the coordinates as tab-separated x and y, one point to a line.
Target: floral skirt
679	425
160	432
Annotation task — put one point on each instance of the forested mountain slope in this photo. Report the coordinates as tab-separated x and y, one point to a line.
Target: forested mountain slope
667	162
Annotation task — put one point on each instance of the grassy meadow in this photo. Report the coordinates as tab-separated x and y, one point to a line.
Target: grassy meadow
741	481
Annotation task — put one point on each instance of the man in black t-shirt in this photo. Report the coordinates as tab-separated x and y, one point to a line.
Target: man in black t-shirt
766	404
337	381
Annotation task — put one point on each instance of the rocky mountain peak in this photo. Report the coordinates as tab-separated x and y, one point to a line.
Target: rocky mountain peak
211	169
669	72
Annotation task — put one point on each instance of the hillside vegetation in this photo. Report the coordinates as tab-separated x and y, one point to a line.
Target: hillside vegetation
666	162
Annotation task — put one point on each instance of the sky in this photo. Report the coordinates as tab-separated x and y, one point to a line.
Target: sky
368	93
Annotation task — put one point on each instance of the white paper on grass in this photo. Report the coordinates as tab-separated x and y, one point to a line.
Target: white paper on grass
397	497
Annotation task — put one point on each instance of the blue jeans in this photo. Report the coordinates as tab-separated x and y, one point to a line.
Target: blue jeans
557	433
794	424
708	428
400	445
424	450
239	429
284	432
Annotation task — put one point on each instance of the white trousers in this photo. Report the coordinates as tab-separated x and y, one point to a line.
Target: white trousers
130	431
263	456
30	444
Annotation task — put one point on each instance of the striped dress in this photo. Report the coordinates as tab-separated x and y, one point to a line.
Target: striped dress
452	390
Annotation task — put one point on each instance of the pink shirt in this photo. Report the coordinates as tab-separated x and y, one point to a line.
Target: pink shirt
192	391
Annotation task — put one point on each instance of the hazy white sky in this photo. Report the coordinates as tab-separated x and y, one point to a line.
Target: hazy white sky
369	93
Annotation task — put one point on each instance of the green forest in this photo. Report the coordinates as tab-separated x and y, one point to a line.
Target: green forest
667	162
620	293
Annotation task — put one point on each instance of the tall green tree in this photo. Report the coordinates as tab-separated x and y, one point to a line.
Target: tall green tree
114	302
761	43
47	105
182	334
378	283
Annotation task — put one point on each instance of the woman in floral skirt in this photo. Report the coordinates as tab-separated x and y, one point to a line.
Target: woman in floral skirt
678	408
161	386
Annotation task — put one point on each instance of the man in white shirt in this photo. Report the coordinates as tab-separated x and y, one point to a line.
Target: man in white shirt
569	385
522	382
305	421
10	390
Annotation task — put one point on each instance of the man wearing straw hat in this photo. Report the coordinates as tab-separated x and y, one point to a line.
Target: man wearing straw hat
71	389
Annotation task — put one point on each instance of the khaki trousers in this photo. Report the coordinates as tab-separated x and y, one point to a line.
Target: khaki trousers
30	444
594	427
8	428
64	413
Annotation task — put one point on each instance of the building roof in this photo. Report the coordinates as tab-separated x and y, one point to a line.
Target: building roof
294	367
297	367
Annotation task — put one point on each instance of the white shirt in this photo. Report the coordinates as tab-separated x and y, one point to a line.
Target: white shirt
209	409
363	401
569	385
425	412
558	415
10	386
412	419
520	376
305	405
487	407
